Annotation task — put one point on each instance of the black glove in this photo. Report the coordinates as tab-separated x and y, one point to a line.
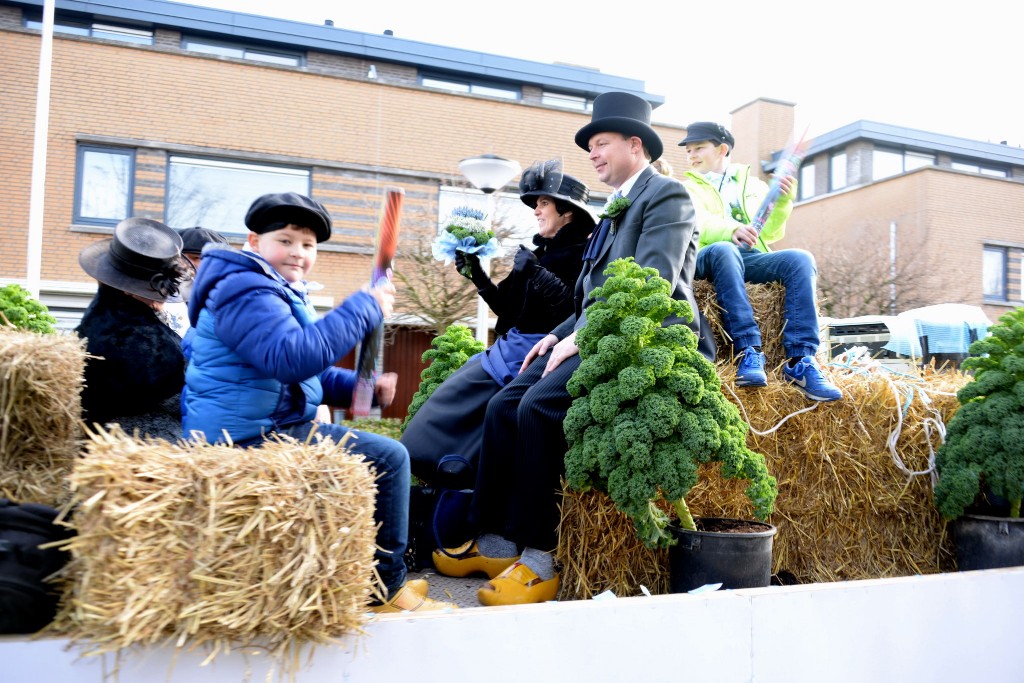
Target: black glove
526	262
468	266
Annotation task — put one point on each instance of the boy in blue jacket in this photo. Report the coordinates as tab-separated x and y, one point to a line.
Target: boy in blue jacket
261	362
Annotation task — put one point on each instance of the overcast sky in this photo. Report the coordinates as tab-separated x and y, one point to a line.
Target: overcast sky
950	69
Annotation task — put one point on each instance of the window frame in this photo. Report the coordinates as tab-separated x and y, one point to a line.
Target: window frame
806	185
904	154
245	50
1003	295
86	27
833	167
469	86
564	100
80	152
201	161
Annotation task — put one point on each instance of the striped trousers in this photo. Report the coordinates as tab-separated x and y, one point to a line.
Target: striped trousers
522	460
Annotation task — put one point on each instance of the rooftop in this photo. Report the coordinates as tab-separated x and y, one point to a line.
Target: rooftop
333	39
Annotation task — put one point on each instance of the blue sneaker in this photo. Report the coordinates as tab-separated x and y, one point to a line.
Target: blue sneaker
807	377
750	371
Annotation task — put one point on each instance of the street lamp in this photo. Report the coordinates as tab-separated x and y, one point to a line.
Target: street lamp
487	173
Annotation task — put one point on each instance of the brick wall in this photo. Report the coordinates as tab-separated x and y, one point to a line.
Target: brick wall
356	135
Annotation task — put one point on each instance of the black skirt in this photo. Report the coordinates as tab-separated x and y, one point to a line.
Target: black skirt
451	421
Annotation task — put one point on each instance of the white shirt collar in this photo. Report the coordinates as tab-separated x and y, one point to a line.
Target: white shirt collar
627	186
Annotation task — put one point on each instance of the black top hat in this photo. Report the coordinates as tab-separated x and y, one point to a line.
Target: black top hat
289	207
142	258
545	179
708	130
621	112
194	239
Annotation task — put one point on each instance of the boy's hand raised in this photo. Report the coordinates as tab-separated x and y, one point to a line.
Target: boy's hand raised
384	293
385	387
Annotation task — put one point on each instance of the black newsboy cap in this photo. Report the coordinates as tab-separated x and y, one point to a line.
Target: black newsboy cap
708	130
289	207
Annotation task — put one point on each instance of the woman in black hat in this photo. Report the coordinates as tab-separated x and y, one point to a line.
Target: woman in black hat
135	370
529	302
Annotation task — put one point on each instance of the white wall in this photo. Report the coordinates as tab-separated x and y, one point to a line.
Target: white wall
944	627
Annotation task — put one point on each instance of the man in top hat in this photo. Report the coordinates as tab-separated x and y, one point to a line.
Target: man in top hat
516	496
135	370
732	253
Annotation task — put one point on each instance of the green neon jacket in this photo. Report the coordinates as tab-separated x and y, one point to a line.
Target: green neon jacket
716	222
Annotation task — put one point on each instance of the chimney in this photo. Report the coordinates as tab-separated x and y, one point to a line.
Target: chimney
328	22
388	32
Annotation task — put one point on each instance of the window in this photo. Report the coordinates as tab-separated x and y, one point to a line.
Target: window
837	171
566	101
889	162
993	273
216	194
512	218
983	170
103	184
470	87
75	27
807	181
912	160
242	51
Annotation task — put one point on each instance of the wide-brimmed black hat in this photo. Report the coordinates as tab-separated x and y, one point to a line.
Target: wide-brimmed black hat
545	179
289	207
621	112
711	131
194	239
143	258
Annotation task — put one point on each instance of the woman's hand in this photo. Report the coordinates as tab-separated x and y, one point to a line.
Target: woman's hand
525	262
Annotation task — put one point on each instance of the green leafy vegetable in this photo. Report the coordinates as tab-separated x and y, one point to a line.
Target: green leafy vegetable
649	409
22	311
985	439
448	352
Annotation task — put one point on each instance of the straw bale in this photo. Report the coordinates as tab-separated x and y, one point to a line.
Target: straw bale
767	301
193	545
847	507
40	433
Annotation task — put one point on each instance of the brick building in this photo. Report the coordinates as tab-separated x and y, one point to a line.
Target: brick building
185	114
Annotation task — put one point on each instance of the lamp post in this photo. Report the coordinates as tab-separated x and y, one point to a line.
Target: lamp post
487	173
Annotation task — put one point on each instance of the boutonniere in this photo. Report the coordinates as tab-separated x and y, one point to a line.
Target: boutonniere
614	210
616	207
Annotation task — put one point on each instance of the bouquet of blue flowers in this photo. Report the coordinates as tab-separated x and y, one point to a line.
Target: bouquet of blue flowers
465	231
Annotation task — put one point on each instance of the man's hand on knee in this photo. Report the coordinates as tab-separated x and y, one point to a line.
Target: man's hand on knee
563	350
539	349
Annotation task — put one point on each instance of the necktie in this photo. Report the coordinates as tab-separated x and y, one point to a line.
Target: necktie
600	233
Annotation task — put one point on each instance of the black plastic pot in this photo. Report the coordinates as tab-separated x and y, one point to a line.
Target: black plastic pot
734	559
989	542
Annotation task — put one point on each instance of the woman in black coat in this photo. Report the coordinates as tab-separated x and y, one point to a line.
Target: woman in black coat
135	370
530	302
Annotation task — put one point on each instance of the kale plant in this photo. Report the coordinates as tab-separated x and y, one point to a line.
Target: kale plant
649	409
985	438
449	352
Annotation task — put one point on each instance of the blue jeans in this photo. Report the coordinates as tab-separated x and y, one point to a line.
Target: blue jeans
728	267
391	462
